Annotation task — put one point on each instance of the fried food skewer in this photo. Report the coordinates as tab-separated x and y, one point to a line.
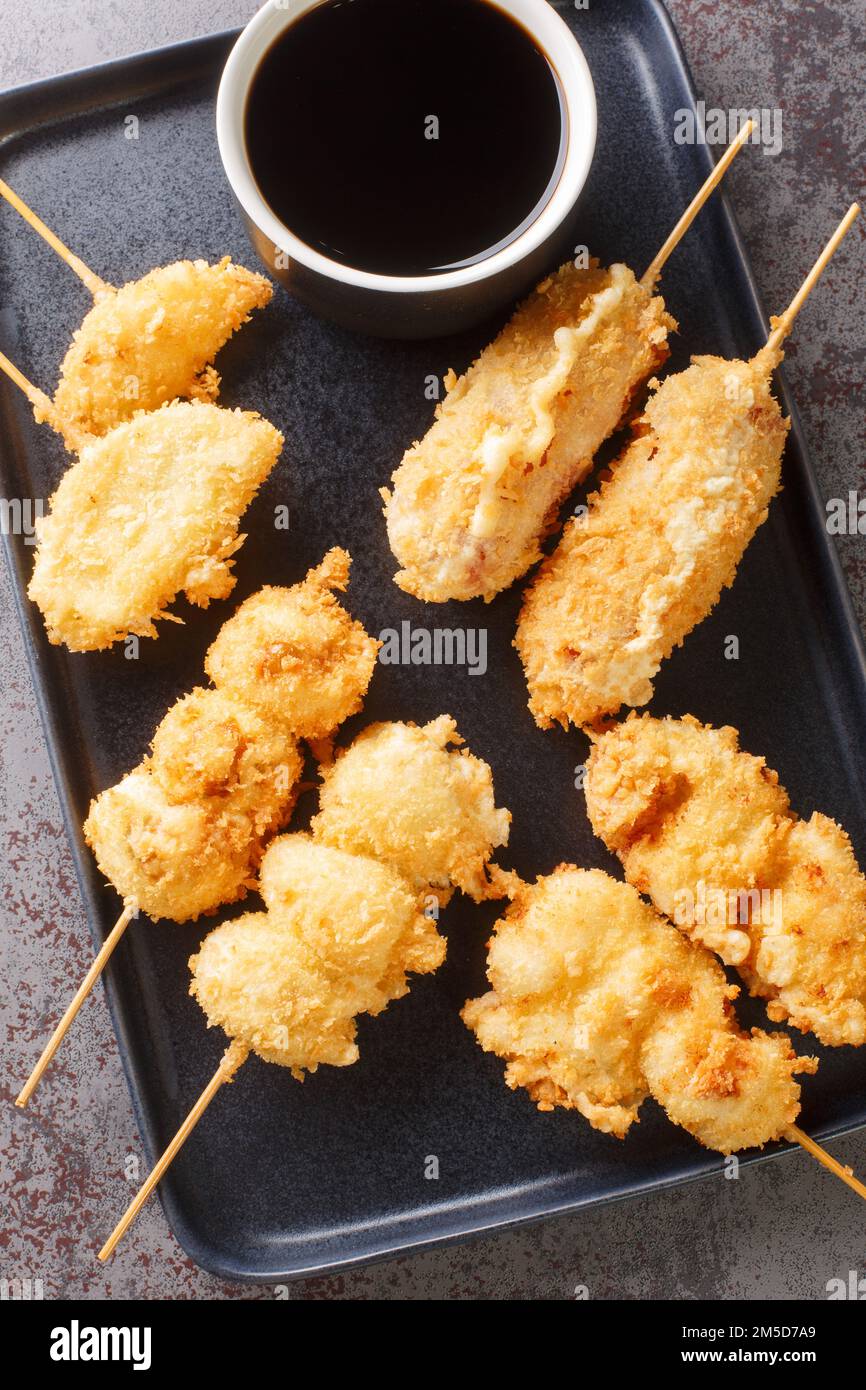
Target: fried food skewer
149	510
183	833
150	342
285	964
706	831
344	923
596	1002
471	502
428	809
99	963
663	536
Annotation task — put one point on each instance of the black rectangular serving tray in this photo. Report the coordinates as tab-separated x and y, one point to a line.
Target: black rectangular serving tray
281	1179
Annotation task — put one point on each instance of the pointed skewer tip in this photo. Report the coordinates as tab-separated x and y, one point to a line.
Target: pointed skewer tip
654	269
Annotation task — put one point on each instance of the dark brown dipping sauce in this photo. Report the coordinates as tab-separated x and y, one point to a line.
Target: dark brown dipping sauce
339	132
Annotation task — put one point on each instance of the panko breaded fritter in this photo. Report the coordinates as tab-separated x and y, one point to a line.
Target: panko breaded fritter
707	833
296	655
473	500
596	1002
185	831
662	539
148	512
182	834
403	795
150	342
339	937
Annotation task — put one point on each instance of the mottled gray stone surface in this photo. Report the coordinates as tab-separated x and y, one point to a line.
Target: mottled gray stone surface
785	1227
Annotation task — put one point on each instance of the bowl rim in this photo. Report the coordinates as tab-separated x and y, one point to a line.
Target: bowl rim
563	51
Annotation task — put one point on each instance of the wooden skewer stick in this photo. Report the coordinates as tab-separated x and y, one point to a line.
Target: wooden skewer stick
654	269
782	326
821	1154
84	989
96	286
234	1057
37	398
44	408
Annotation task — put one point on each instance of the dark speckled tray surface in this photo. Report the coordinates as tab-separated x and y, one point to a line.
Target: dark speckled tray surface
282	1179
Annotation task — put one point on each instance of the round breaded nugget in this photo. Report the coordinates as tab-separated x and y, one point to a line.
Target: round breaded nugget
340	934
172	860
731	1090
402	795
183	832
472	502
210	746
597	1002
296	655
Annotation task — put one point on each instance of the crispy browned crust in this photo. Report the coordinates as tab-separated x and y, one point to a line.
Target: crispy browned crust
183	833
472	501
339	937
151	342
663	538
597	1002
783	899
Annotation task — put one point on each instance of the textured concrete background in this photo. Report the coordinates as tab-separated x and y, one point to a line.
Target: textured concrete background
785	1227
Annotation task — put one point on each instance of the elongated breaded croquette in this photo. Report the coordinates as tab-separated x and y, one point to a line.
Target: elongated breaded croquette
150	342
472	501
596	1002
339	937
148	512
403	795
296	655
707	833
662	539
184	832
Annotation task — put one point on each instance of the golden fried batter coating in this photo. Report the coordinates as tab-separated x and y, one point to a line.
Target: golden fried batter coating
731	1090
211	745
596	1002
182	833
148	512
340	935
721	813
706	831
152	341
174	861
473	500
404	796
662	539
295	655
185	831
